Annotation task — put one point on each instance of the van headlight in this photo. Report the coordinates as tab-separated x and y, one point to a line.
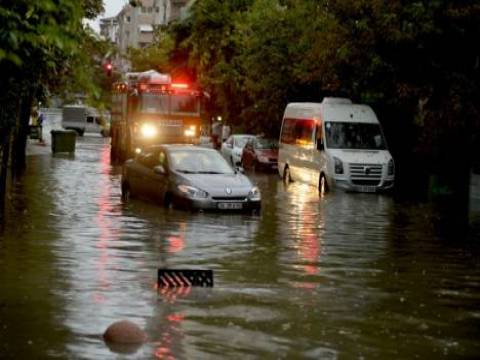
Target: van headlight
391	167
192	191
254	194
148	131
338	165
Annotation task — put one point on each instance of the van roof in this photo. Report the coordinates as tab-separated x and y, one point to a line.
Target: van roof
332	110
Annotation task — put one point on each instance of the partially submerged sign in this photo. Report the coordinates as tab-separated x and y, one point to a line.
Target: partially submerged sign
184	278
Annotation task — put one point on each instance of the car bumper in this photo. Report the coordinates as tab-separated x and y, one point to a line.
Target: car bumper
216	205
267	166
346	185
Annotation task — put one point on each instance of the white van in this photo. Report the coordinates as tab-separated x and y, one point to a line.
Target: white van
334	144
82	118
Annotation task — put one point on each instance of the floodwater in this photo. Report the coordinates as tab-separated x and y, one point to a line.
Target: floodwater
343	276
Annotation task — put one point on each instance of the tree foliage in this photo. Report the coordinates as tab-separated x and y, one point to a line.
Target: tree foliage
416	62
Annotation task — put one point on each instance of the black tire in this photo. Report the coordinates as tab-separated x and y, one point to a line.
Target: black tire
126	191
287	178
323	185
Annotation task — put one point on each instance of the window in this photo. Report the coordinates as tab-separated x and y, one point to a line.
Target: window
345	135
156	103
148	159
185	103
298	131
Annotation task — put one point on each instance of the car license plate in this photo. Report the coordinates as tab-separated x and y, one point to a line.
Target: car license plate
369	189
230	206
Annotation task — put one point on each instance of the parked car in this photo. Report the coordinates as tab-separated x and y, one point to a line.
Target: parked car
188	176
232	148
260	154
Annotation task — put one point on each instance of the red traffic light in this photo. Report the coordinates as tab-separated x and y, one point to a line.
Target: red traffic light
108	68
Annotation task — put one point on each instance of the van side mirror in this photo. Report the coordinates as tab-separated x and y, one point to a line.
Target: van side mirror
320	146
159	170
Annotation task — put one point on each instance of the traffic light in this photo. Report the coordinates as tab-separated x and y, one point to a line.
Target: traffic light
108	68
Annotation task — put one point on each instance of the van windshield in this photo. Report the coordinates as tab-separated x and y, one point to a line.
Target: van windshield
347	135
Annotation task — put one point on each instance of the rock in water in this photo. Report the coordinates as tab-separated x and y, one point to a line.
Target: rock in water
124	332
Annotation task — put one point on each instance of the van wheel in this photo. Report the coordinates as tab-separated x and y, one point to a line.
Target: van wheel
126	192
322	185
287	178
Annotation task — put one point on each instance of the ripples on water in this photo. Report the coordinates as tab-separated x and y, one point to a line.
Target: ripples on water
346	275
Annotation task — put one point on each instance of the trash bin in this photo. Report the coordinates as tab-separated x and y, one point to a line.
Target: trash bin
35	132
63	140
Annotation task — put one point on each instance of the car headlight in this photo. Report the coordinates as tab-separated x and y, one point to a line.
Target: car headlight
192	191
338	165
254	194
391	167
148	130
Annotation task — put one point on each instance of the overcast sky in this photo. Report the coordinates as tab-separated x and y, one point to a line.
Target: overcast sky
112	8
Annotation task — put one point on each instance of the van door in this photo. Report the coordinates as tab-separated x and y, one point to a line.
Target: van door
319	157
302	167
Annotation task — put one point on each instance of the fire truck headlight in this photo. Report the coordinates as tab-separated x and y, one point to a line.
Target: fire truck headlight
148	130
190	132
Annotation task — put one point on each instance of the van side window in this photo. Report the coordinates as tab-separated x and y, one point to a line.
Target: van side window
319	135
298	131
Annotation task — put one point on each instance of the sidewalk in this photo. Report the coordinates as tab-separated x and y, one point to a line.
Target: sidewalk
53	121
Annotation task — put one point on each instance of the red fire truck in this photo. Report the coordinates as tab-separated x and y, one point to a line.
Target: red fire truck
148	108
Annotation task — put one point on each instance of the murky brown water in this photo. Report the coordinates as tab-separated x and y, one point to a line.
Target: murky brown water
345	276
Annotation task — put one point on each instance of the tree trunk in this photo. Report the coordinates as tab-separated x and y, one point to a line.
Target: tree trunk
4	159
20	140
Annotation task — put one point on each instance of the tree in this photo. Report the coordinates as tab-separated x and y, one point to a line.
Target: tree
37	40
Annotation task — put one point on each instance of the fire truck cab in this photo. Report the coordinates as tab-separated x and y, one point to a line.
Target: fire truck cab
148	108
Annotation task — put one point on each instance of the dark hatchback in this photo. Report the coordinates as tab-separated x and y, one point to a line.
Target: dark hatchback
260	154
188	176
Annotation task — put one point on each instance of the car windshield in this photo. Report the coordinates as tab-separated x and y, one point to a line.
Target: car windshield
199	162
265	144
345	135
240	141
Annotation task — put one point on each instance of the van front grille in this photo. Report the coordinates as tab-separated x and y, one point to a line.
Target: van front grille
365	174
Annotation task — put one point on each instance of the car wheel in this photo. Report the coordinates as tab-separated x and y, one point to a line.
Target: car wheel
322	185
287	178
126	192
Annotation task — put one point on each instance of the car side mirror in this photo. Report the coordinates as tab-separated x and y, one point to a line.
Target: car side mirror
159	170
320	146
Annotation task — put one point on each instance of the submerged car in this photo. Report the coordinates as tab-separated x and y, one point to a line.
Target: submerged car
232	148
260	154
187	176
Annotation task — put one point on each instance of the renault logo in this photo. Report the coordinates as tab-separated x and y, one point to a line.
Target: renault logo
367	170
228	190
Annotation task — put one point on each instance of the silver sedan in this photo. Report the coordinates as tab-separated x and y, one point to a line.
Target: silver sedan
188	176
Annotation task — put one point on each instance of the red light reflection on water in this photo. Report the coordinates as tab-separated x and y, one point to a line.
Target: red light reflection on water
176	243
108	231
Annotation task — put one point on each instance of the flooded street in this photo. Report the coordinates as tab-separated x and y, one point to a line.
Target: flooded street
343	276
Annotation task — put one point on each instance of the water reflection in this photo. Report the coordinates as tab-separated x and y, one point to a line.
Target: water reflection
344	275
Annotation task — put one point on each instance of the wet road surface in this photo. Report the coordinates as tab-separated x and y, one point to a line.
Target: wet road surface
344	276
